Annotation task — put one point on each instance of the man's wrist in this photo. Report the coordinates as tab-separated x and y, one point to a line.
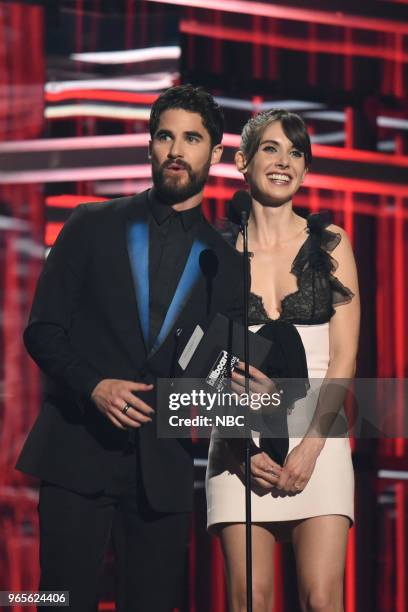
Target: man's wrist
92	386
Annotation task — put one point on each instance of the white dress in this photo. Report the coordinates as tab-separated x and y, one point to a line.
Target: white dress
330	489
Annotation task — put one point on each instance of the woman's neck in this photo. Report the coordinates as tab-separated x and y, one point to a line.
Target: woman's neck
269	226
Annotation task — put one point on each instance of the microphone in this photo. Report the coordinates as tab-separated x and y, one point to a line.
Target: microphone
238	213
239	207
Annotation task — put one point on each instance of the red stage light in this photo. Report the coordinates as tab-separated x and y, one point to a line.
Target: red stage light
70	201
276	11
101	94
350	582
52	229
302	44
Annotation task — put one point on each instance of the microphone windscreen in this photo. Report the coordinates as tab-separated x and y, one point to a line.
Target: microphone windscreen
208	263
240	203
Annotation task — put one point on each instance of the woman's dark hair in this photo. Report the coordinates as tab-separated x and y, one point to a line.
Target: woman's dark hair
194	100
292	124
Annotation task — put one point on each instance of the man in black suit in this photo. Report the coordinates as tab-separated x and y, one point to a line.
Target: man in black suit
122	290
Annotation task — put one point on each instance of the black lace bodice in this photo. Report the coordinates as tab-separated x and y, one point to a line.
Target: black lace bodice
318	289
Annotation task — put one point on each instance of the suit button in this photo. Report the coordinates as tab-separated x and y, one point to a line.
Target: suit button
143	372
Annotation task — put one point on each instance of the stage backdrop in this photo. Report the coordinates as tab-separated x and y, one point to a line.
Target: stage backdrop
77	79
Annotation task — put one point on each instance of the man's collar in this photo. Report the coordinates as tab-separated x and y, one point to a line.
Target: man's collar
161	212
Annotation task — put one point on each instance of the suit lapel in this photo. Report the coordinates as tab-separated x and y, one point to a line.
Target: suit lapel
137	241
138	250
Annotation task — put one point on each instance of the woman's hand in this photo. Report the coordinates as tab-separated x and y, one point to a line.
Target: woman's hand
265	472
258	381
299	465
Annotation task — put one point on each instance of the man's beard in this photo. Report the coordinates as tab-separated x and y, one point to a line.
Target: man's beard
172	190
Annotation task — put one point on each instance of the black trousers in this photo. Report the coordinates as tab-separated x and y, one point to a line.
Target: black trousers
150	548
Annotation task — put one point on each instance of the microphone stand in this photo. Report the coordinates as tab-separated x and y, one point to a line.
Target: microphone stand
248	509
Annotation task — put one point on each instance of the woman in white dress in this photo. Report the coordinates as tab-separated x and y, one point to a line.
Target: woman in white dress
302	272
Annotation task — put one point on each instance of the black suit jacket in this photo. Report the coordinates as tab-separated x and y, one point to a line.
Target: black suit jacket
84	326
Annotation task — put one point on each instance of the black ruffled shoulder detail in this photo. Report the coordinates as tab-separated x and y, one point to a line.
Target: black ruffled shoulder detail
315	255
317	227
315	250
340	293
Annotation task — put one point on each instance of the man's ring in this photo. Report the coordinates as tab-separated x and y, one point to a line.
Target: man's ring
126	408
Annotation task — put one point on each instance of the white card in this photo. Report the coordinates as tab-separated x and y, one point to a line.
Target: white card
190	347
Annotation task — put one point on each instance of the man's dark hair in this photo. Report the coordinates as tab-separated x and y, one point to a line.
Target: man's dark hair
193	100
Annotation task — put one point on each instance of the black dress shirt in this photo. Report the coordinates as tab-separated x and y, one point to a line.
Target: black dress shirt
171	236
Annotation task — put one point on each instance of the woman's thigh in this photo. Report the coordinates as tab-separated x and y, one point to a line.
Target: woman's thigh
232	538
320	545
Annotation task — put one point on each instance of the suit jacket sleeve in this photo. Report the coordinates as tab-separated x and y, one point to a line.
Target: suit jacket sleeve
47	336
